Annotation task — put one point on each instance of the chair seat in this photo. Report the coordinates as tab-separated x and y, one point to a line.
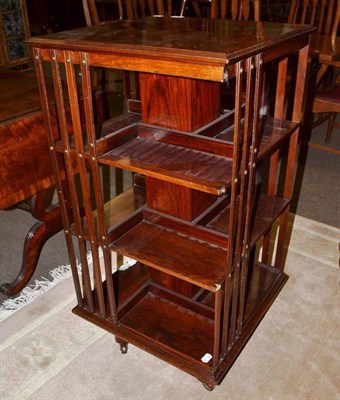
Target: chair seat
332	94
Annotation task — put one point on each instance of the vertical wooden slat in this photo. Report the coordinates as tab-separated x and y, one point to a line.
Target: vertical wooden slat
243	207
298	107
279	112
91	138
214	9
280	99
304	11
87	13
60	185
71	173
120	9
160	8
292	11
250	200
169	8
234	9
257	10
141	12
322	16
333	8
130	6
244	10
84	179
217	327
313	14
233	198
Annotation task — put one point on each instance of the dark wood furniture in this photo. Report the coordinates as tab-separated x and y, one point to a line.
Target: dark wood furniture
225	9
46	16
26	169
327	97
323	96
200	284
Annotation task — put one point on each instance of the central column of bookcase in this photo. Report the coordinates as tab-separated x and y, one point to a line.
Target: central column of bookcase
185	105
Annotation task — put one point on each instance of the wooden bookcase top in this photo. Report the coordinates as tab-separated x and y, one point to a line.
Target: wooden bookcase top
191	47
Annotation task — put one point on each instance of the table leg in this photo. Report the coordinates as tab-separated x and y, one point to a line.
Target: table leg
48	224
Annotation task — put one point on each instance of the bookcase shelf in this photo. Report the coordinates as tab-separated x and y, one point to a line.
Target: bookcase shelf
268	209
274	133
197	163
143	304
185	247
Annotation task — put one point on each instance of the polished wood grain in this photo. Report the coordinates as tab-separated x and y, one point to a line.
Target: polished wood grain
26	169
203	54
193	169
19	94
48	223
22	141
173	199
267	210
196	103
143	241
198	274
22	127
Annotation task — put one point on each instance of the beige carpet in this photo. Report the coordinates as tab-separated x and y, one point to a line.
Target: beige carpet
48	353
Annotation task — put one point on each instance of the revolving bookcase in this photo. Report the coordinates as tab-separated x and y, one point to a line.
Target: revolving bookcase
205	217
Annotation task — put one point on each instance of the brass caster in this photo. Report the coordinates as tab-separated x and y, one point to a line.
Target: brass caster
124	348
208	386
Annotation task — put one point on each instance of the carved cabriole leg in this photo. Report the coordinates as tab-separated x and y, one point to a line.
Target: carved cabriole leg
48	224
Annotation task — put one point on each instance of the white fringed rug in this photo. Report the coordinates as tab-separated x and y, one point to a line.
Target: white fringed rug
31	292
48	353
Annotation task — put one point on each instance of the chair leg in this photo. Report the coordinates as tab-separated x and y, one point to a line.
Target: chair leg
330	127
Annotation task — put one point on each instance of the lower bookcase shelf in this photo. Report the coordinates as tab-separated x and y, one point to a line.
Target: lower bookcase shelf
267	210
175	247
180	329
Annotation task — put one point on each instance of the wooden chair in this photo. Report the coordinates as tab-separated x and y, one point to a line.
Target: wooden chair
238	9
224	9
327	100
128	9
242	9
324	15
319	13
142	8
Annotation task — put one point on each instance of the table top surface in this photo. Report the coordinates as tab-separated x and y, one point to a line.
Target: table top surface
19	94
25	166
179	38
